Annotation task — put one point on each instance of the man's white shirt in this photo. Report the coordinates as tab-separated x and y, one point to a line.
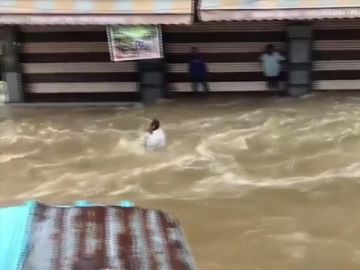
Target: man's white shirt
155	140
272	64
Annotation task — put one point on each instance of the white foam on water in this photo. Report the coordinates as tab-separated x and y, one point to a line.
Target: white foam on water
297	252
8	157
356	256
352	171
49	187
131	146
296	237
126	189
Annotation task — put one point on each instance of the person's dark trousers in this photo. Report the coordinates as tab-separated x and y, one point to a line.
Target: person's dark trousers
195	86
273	84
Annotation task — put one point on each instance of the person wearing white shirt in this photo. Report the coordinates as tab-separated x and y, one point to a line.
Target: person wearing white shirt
155	139
271	64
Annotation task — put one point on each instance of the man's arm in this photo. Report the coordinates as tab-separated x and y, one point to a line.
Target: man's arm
205	67
261	58
281	57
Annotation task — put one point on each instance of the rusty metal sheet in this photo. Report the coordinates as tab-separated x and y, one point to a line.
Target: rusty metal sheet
111	237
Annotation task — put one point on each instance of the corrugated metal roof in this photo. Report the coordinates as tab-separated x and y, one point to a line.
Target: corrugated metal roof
101	237
243	10
102	12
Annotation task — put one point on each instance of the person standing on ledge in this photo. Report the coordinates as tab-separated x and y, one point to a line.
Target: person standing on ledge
155	138
198	71
271	64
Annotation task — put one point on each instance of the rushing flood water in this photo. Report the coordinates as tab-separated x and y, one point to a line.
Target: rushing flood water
257	183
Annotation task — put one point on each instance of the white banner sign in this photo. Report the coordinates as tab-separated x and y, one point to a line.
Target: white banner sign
134	42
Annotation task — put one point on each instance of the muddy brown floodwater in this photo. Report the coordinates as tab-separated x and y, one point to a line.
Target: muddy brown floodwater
257	183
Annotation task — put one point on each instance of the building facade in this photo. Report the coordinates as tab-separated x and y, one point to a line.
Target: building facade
232	50
64	56
59	49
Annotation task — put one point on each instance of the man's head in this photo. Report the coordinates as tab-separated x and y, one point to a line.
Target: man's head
194	50
155	124
270	48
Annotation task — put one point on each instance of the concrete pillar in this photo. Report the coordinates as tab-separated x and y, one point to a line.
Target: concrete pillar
300	46
10	64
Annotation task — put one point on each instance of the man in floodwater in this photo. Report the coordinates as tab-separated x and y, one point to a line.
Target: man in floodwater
198	71
271	63
155	138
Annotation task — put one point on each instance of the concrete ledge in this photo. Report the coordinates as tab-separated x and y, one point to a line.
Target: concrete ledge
78	104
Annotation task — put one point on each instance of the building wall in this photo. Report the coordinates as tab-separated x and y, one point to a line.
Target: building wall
0	60
73	64
232	50
337	55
